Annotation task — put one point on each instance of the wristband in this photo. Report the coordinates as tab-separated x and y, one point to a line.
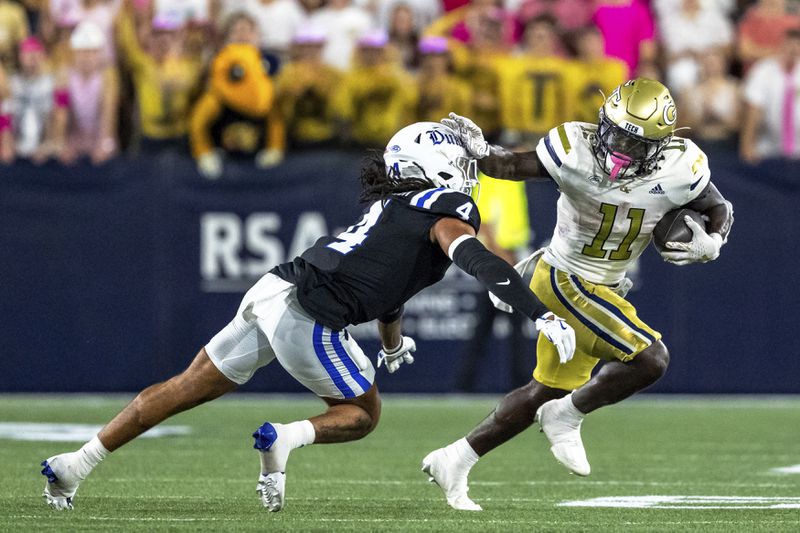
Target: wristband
393	350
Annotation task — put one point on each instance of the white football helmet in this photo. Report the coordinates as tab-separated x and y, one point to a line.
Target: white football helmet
430	150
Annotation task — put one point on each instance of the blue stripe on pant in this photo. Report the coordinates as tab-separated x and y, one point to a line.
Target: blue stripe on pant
585	321
322	355
613	309
355	373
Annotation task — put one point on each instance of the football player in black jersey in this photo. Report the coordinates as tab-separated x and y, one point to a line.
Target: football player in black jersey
420	219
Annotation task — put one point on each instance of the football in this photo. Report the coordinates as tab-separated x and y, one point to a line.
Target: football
672	227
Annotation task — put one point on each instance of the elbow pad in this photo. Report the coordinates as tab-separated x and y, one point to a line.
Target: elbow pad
496	275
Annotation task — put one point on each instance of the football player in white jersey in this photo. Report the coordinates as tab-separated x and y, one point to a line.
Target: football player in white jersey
617	179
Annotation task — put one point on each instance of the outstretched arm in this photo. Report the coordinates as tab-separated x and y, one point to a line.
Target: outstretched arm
514	166
493	160
457	240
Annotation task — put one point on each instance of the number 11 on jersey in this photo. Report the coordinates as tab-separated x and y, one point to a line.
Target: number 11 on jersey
623	251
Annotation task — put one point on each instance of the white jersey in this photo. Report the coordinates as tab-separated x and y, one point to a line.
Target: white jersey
604	226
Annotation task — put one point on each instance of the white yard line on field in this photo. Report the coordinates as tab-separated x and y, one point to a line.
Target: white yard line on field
399	482
794	469
688	502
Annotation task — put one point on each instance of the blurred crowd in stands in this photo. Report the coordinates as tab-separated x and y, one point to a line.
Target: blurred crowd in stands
255	78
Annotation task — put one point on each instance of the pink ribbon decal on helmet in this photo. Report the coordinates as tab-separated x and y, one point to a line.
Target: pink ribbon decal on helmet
620	161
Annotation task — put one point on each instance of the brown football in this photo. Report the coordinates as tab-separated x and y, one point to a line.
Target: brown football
673	228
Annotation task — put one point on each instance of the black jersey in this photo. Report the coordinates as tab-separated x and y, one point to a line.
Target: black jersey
376	265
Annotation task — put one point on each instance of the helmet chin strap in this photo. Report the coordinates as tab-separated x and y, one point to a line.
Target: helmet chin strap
619	162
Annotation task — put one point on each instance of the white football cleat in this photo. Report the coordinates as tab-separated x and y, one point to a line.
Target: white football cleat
271	488
563	430
62	480
443	469
274	451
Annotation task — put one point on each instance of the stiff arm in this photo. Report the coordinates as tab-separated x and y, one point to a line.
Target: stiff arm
504	164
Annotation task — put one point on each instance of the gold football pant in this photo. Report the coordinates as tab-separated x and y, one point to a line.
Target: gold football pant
605	324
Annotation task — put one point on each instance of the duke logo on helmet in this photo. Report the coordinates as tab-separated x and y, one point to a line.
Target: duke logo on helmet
431	151
438	137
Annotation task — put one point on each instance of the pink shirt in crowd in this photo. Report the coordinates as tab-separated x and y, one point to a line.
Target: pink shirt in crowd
511	29
570	14
86	100
450	5
625	27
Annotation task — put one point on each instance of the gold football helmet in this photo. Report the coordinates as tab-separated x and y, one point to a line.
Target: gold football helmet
636	122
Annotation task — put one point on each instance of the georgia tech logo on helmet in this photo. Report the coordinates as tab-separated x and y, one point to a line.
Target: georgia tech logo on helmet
633	128
670	114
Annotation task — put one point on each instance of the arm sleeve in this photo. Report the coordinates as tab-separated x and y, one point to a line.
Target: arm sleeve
496	275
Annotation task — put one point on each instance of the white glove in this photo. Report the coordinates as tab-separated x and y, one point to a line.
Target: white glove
471	135
269	158
701	249
210	165
402	354
559	333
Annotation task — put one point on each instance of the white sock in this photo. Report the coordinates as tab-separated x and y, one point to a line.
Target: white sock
290	436
304	433
570	408
467	456
90	455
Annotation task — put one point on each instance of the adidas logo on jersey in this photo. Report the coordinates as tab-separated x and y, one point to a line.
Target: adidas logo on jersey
657	190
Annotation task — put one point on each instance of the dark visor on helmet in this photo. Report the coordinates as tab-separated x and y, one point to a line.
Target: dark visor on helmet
617	140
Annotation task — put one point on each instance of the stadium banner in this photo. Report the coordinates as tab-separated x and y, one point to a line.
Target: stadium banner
112	278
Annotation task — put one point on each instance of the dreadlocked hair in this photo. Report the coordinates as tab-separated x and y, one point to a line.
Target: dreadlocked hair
377	183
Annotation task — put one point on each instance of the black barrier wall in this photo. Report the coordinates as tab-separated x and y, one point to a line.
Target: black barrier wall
112	278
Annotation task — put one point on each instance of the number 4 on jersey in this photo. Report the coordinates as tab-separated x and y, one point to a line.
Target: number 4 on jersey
355	235
464	210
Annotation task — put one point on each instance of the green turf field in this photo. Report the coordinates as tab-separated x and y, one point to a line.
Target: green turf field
720	449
